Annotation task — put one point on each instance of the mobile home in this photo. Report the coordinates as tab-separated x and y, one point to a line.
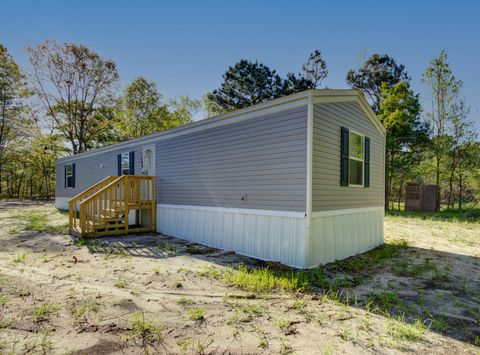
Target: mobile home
299	180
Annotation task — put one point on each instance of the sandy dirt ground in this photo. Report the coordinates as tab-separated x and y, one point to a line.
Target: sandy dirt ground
157	294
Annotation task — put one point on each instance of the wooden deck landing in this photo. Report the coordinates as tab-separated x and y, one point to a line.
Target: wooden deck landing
114	206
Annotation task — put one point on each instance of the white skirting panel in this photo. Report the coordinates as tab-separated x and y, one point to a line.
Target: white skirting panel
339	234
267	235
62	202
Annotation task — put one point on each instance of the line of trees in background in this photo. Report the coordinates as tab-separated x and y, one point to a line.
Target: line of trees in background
68	101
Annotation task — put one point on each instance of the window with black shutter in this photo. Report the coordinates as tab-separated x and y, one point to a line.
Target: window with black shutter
355	159
70	175
366	181
126	163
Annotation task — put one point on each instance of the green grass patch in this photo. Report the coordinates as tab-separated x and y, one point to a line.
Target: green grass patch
471	215
42	221
196	313
270	278
121	283
148	331
84	310
383	302
261	280
45	310
371	261
4	300
185	301
20	258
399	329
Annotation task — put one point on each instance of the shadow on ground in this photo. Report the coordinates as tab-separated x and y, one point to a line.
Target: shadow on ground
439	289
436	289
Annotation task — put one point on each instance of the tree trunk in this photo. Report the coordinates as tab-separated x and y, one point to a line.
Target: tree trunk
438	182
386	192
388	181
400	193
450	192
460	194
47	187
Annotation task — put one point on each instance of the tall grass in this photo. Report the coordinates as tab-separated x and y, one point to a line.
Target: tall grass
471	215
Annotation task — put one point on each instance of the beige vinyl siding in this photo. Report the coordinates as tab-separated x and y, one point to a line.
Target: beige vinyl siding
327	194
263	157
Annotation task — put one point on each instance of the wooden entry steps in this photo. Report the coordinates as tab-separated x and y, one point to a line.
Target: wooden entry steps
114	206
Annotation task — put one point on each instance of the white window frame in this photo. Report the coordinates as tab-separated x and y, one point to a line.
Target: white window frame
68	175
350	131
121	162
153	162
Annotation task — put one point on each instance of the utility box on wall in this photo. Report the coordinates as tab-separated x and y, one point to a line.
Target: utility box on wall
421	197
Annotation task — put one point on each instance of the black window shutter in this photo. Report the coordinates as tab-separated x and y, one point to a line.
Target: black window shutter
131	157
65	175
366	178
73	175
119	164
344	156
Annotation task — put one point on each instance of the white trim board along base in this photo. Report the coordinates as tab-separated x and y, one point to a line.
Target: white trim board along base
62	202
267	235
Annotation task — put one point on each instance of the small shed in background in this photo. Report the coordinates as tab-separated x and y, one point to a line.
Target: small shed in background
421	197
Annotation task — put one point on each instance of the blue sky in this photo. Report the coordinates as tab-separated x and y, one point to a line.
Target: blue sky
185	46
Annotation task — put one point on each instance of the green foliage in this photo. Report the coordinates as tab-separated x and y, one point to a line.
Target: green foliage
399	329
45	310
73	83
196	313
248	83
384	301
467	215
273	278
121	283
84	310
315	69
185	301
41	221
140	111
407	135
20	259
13	120
148	331
377	70
4	300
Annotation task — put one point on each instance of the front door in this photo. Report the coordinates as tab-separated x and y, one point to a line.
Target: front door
148	161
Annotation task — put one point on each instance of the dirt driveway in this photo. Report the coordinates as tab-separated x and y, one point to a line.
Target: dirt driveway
156	294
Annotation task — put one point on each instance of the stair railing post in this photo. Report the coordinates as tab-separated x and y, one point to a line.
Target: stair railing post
153	206
82	219
126	194
70	217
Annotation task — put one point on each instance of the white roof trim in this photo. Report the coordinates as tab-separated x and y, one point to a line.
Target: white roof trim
283	103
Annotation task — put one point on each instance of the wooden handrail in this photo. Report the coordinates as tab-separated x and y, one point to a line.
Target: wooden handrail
97	193
106	211
101	182
72	203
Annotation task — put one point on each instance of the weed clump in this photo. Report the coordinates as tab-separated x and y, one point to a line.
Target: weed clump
147	331
196	313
